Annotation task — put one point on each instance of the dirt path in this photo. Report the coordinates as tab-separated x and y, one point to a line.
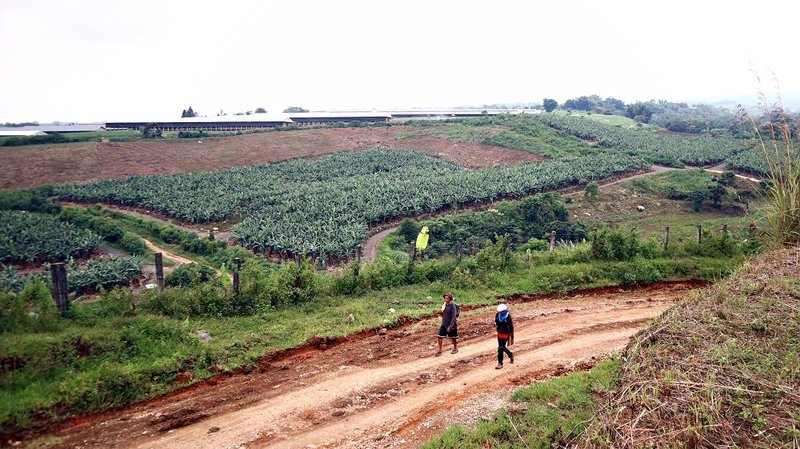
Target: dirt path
374	391
371	245
179	259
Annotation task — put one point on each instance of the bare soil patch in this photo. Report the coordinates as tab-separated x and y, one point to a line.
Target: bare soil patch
380	389
30	166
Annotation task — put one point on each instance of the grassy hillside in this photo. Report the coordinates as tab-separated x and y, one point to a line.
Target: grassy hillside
721	369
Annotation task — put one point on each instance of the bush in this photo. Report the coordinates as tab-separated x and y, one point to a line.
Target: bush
106	228
497	255
191	135
30	200
196	245
408	230
618	244
189	274
132	244
77	216
33	309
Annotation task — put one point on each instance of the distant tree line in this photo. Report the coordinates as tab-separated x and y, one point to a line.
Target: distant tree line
19	125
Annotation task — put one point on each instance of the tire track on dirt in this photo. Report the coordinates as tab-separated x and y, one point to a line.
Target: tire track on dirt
298	415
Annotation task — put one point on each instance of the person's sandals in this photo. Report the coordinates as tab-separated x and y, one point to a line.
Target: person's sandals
438	353
511	359
453	351
499	366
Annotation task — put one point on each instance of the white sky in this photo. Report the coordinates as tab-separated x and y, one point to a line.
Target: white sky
92	60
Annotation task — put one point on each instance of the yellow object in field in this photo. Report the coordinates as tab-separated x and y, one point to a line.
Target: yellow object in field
422	239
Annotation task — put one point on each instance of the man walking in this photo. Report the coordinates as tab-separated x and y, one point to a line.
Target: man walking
449	327
505	334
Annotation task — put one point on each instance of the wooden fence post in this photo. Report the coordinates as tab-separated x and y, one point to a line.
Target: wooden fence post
237	265
725	229
460	249
58	272
160	272
666	238
411	250
297	259
752	231
358	260
699	233
552	240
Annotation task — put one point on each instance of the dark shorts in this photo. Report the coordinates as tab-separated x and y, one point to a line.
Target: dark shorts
443	332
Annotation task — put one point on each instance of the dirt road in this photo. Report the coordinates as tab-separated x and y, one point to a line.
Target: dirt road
378	391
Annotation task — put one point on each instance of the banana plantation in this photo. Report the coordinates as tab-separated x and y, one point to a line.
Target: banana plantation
325	207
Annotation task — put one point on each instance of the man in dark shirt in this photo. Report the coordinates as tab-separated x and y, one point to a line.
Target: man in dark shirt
449	327
505	334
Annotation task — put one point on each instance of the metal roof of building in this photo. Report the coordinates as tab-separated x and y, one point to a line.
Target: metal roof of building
8	132
58	128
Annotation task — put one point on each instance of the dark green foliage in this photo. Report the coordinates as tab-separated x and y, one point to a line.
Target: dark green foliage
641	112
715	245
28	237
78	216
132	244
495	255
621	244
102	273
31	310
189	274
325	206
294	109
191	135
99	273
150	131
188	113
201	246
35	200
106	228
549	104
592	190
34	140
533	217
408	230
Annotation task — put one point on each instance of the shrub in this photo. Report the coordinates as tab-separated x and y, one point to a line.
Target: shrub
30	200
32	309
78	216
106	228
132	244
189	274
618	244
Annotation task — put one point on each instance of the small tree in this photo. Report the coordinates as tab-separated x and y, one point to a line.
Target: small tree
408	230
592	191
150	131
261	111
294	109
549	104
716	192
188	113
728	179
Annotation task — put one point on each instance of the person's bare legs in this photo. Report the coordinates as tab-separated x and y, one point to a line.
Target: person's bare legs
455	345
439	352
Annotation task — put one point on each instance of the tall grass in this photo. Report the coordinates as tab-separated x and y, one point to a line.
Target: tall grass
777	141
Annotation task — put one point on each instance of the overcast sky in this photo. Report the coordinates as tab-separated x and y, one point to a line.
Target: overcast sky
113	60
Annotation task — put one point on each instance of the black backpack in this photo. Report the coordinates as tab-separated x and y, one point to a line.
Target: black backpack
503	326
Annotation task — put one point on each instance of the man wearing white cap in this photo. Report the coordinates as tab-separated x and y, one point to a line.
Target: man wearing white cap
505	334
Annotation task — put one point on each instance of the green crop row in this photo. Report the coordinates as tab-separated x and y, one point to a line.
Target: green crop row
325	207
664	149
29	237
